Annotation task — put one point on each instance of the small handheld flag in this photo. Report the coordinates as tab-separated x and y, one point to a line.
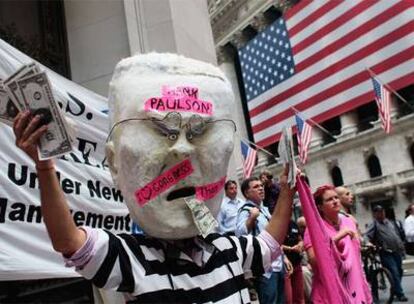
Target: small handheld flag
383	99
304	137
249	159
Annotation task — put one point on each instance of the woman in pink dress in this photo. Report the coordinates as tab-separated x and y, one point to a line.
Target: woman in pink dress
345	239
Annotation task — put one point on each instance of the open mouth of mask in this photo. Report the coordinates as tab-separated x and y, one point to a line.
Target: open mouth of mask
182	192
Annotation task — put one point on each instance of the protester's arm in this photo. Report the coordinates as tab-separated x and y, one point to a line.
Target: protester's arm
279	222
298	248
252	219
343	233
241	228
311	257
288	265
65	236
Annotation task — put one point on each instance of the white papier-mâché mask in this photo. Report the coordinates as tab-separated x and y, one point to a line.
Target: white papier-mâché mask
172	136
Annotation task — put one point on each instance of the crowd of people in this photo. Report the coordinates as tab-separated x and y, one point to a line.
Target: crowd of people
295	276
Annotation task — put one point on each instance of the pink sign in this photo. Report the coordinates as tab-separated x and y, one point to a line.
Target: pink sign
163	182
209	191
179	99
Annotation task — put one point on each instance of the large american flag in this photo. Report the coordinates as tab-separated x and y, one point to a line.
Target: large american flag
315	58
249	159
383	99
304	136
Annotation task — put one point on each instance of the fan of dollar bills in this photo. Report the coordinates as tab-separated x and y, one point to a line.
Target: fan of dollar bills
29	89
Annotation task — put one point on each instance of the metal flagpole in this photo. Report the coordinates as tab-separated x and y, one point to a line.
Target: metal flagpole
314	122
390	88
259	148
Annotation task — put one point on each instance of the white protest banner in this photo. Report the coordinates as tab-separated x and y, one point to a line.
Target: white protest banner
25	248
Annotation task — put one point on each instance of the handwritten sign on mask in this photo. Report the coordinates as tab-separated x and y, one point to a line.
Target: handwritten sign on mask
209	191
163	182
179	99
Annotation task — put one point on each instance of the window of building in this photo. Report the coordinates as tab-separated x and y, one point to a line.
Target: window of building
336	175
374	166
367	113
408	94
412	153
273	150
38	29
333	126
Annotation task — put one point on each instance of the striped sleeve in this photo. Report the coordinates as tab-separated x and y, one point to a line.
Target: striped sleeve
255	254
110	267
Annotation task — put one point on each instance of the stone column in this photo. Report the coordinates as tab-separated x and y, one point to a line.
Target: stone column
317	139
181	27
349	124
226	59
393	107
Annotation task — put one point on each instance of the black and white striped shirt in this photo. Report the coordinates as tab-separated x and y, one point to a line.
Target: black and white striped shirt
144	268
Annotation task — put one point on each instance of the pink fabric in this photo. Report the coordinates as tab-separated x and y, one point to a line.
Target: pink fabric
294	288
275	249
82	256
338	277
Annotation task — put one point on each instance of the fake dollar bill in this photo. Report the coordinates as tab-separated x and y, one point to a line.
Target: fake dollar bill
12	87
8	110
286	155
38	98
204	220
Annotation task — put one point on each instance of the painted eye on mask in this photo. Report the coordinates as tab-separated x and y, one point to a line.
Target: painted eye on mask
172	136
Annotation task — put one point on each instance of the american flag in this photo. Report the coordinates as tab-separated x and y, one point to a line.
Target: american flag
249	159
304	136
315	58
383	99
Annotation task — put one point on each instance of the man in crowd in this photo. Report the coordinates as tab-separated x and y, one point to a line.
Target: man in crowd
409	229
252	219
271	190
227	217
384	234
346	198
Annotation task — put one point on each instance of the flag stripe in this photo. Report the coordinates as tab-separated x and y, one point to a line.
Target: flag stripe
332	89
297	12
332	43
345	40
332	23
249	159
338	105
316	77
383	99
286	86
334	29
342	30
314	17
304	136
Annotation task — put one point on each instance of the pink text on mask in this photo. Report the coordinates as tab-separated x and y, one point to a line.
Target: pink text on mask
209	191
163	182
179	99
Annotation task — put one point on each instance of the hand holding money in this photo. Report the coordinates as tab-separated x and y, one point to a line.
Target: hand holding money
27	131
286	155
28	89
